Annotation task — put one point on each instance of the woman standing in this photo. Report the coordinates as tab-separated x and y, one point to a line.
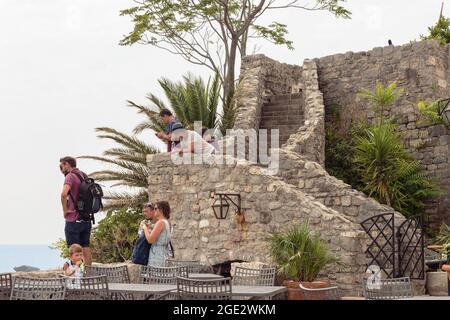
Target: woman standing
159	237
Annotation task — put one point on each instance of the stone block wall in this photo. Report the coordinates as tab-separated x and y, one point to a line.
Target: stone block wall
309	140
421	68
311	178
269	205
261	77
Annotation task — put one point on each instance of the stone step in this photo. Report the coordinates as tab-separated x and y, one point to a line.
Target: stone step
297	102
284	97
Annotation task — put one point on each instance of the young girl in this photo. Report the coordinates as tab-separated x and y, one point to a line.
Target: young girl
74	267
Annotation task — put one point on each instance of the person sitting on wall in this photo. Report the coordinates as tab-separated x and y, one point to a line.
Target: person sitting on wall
168	118
190	142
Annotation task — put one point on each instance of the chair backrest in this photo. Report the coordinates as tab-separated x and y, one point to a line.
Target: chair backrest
194	289
5	285
330	293
193	266
117	274
87	288
162	275
388	289
26	288
254	277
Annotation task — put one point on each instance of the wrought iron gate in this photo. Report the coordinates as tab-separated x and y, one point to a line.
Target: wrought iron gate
411	260
401	258
381	248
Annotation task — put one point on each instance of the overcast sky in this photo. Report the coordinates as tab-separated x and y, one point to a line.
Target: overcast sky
62	73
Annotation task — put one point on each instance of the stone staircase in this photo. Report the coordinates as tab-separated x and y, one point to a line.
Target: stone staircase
283	112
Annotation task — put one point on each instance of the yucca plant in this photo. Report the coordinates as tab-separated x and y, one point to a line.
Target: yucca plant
300	255
381	98
129	170
191	100
389	173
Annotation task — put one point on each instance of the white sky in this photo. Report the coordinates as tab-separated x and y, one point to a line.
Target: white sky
62	73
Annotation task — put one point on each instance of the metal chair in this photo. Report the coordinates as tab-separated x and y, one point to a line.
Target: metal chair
331	293
194	266
192	289
118	274
254	277
26	288
388	289
87	288
162	275
5	285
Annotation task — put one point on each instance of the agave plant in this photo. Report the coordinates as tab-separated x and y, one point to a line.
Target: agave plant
191	100
300	255
130	169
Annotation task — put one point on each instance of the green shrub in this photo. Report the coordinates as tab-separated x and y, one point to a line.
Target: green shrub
113	239
300	255
390	174
61	245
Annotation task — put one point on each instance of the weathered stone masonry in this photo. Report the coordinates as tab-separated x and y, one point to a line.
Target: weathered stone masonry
302	189
269	204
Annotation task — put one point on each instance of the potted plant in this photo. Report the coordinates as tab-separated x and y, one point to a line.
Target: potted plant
300	257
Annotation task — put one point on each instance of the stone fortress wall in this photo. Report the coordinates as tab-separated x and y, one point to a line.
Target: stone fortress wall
301	189
421	68
269	205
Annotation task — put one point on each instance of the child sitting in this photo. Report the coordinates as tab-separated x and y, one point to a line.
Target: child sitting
74	267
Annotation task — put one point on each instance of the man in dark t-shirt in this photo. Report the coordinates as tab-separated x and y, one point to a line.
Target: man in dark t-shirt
168	118
76	230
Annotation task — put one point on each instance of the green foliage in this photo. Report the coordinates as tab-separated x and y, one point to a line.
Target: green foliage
213	33
381	98
432	112
374	160
440	31
130	169
61	246
389	172
339	156
113	239
190	100
300	255
229	113
443	239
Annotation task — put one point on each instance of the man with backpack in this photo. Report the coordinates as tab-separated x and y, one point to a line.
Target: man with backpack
80	199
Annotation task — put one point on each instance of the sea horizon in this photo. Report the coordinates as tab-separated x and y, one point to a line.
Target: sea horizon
34	255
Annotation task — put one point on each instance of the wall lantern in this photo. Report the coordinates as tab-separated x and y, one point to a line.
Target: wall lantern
221	204
444	112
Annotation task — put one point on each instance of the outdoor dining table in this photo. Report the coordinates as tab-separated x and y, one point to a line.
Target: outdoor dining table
160	289
205	276
139	288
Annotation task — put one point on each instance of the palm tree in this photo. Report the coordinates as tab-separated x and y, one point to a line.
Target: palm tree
191	100
130	169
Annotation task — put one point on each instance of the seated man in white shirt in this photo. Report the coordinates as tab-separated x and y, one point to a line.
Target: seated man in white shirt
190	142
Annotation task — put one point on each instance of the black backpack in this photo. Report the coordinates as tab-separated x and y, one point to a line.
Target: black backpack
89	199
141	251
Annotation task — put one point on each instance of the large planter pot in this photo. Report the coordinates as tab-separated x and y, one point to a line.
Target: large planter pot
294	292
436	283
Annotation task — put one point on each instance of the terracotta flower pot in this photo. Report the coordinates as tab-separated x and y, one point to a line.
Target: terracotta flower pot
294	292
